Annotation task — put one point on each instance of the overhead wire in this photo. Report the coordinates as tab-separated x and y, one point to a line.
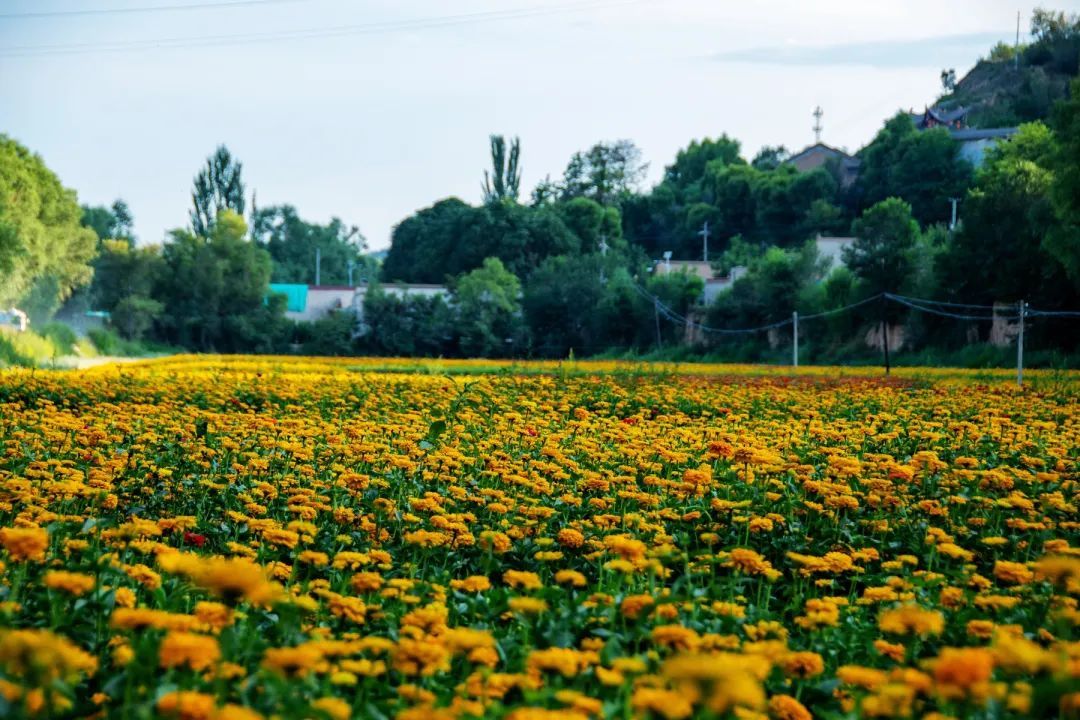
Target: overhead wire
312	33
222	4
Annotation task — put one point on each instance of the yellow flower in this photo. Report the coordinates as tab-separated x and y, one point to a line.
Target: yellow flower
473	584
633	605
39	657
72	583
527	605
522	580
182	648
186	705
912	620
293	661
25	543
570	577
667	704
335	708
1013	573
785	707
963	671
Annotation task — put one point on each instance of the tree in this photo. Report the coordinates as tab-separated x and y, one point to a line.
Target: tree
123	271
592	223
1063	241
948	80
488	310
504	180
770	157
769	290
43	248
922	167
690	163
421	244
217	187
558	303
113	223
606	172
214	290
1001	251
292	243
409	325
884	238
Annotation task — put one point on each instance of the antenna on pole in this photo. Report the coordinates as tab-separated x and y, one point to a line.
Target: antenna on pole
818	112
704	233
952	223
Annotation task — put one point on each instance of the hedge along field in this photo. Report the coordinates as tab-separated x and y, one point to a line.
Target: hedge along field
240	538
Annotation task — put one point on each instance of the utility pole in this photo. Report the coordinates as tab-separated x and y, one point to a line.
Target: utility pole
795	338
704	233
351	265
318	266
1016	47
952	225
1020	347
603	254
885	330
817	124
656	315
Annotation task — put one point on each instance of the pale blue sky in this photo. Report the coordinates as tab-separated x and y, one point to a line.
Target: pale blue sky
385	106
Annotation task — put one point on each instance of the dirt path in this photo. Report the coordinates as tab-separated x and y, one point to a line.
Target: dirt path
74	362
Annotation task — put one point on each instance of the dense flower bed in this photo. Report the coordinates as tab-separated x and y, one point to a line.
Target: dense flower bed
245	538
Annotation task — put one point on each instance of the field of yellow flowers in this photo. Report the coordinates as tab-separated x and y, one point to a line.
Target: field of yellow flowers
235	538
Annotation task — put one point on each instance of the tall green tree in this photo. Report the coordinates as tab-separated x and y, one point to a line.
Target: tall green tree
217	187
504	180
1003	251
44	250
214	290
1063	240
607	172
885	238
924	168
292	243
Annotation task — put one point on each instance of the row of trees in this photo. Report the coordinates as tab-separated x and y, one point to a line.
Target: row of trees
570	268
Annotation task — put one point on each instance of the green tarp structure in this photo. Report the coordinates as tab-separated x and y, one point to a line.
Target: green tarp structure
296	295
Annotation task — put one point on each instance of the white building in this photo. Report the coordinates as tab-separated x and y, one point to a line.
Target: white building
306	303
832	250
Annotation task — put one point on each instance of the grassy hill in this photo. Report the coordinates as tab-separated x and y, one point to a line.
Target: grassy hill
1002	91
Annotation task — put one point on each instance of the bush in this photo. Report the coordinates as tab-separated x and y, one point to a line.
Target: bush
27	349
62	336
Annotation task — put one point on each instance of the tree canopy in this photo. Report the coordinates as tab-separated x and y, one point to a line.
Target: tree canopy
44	248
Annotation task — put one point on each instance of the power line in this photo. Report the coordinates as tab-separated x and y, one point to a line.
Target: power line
140	10
944	313
311	33
949	304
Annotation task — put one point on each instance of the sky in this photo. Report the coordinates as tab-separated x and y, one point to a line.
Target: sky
369	110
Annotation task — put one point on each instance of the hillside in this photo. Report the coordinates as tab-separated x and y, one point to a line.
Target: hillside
1003	92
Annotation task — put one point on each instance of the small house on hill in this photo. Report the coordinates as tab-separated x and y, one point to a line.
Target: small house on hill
974	142
819	154
932	117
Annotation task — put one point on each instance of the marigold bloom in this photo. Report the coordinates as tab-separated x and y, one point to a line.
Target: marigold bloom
25	544
963	671
912	620
72	583
39	657
785	707
182	648
473	584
